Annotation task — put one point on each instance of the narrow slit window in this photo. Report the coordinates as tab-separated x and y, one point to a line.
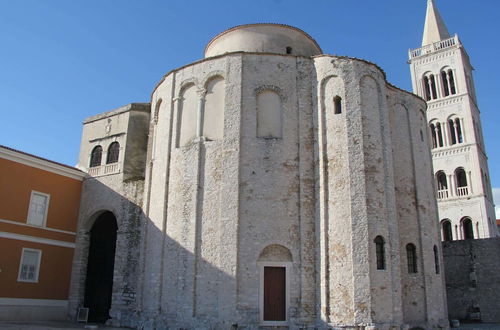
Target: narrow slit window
411	258
436	259
380	252
337	105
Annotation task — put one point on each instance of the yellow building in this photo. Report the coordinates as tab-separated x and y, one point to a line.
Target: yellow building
39	203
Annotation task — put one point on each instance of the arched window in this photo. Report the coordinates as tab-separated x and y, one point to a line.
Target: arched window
467	228
436	259
337	105
95	156
411	258
446	231
213	118
427	89
442	185
439	135
113	153
458	127
187	115
461	178
157	110
455	130
446	87
269	110
433	136
451	79
433	87
380	252
430	91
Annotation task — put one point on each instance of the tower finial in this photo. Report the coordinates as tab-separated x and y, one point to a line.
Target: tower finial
434	30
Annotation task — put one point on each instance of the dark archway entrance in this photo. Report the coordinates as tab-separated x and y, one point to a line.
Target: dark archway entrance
99	280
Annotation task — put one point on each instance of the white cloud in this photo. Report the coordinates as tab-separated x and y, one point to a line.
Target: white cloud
496	200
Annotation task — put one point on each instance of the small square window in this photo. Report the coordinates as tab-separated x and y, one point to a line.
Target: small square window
29	266
39	205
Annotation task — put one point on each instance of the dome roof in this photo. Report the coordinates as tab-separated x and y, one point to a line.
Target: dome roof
263	38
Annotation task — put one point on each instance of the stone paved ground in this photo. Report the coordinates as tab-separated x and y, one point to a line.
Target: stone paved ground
51	326
75	326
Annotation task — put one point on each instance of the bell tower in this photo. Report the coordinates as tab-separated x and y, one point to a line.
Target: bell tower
442	75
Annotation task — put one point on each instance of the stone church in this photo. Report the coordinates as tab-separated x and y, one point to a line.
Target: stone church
265	185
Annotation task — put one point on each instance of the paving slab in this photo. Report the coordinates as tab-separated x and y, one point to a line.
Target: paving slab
47	325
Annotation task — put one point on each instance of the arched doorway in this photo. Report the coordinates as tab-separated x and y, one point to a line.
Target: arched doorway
101	261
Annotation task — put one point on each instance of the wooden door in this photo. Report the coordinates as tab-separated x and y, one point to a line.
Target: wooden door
274	294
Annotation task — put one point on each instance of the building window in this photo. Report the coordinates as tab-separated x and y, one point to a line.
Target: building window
436	135
157	111
436	259
427	89
380	252
411	258
467	228
337	105
442	185
288	50
455	131
439	133
451	79
446	87
430	91
432	127
38	208
113	153
29	265
461	177
95	156
446	230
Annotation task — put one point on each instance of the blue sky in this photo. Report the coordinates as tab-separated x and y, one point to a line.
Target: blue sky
64	60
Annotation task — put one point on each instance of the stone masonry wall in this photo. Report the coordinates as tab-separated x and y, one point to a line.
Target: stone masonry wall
472	272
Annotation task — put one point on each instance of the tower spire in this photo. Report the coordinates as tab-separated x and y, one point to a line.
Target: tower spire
434	29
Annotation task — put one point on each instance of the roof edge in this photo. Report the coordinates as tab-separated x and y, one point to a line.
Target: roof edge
261	24
41	163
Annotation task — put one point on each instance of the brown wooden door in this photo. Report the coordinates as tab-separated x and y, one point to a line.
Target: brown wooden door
274	294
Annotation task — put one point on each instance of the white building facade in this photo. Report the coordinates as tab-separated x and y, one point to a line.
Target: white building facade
442	75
